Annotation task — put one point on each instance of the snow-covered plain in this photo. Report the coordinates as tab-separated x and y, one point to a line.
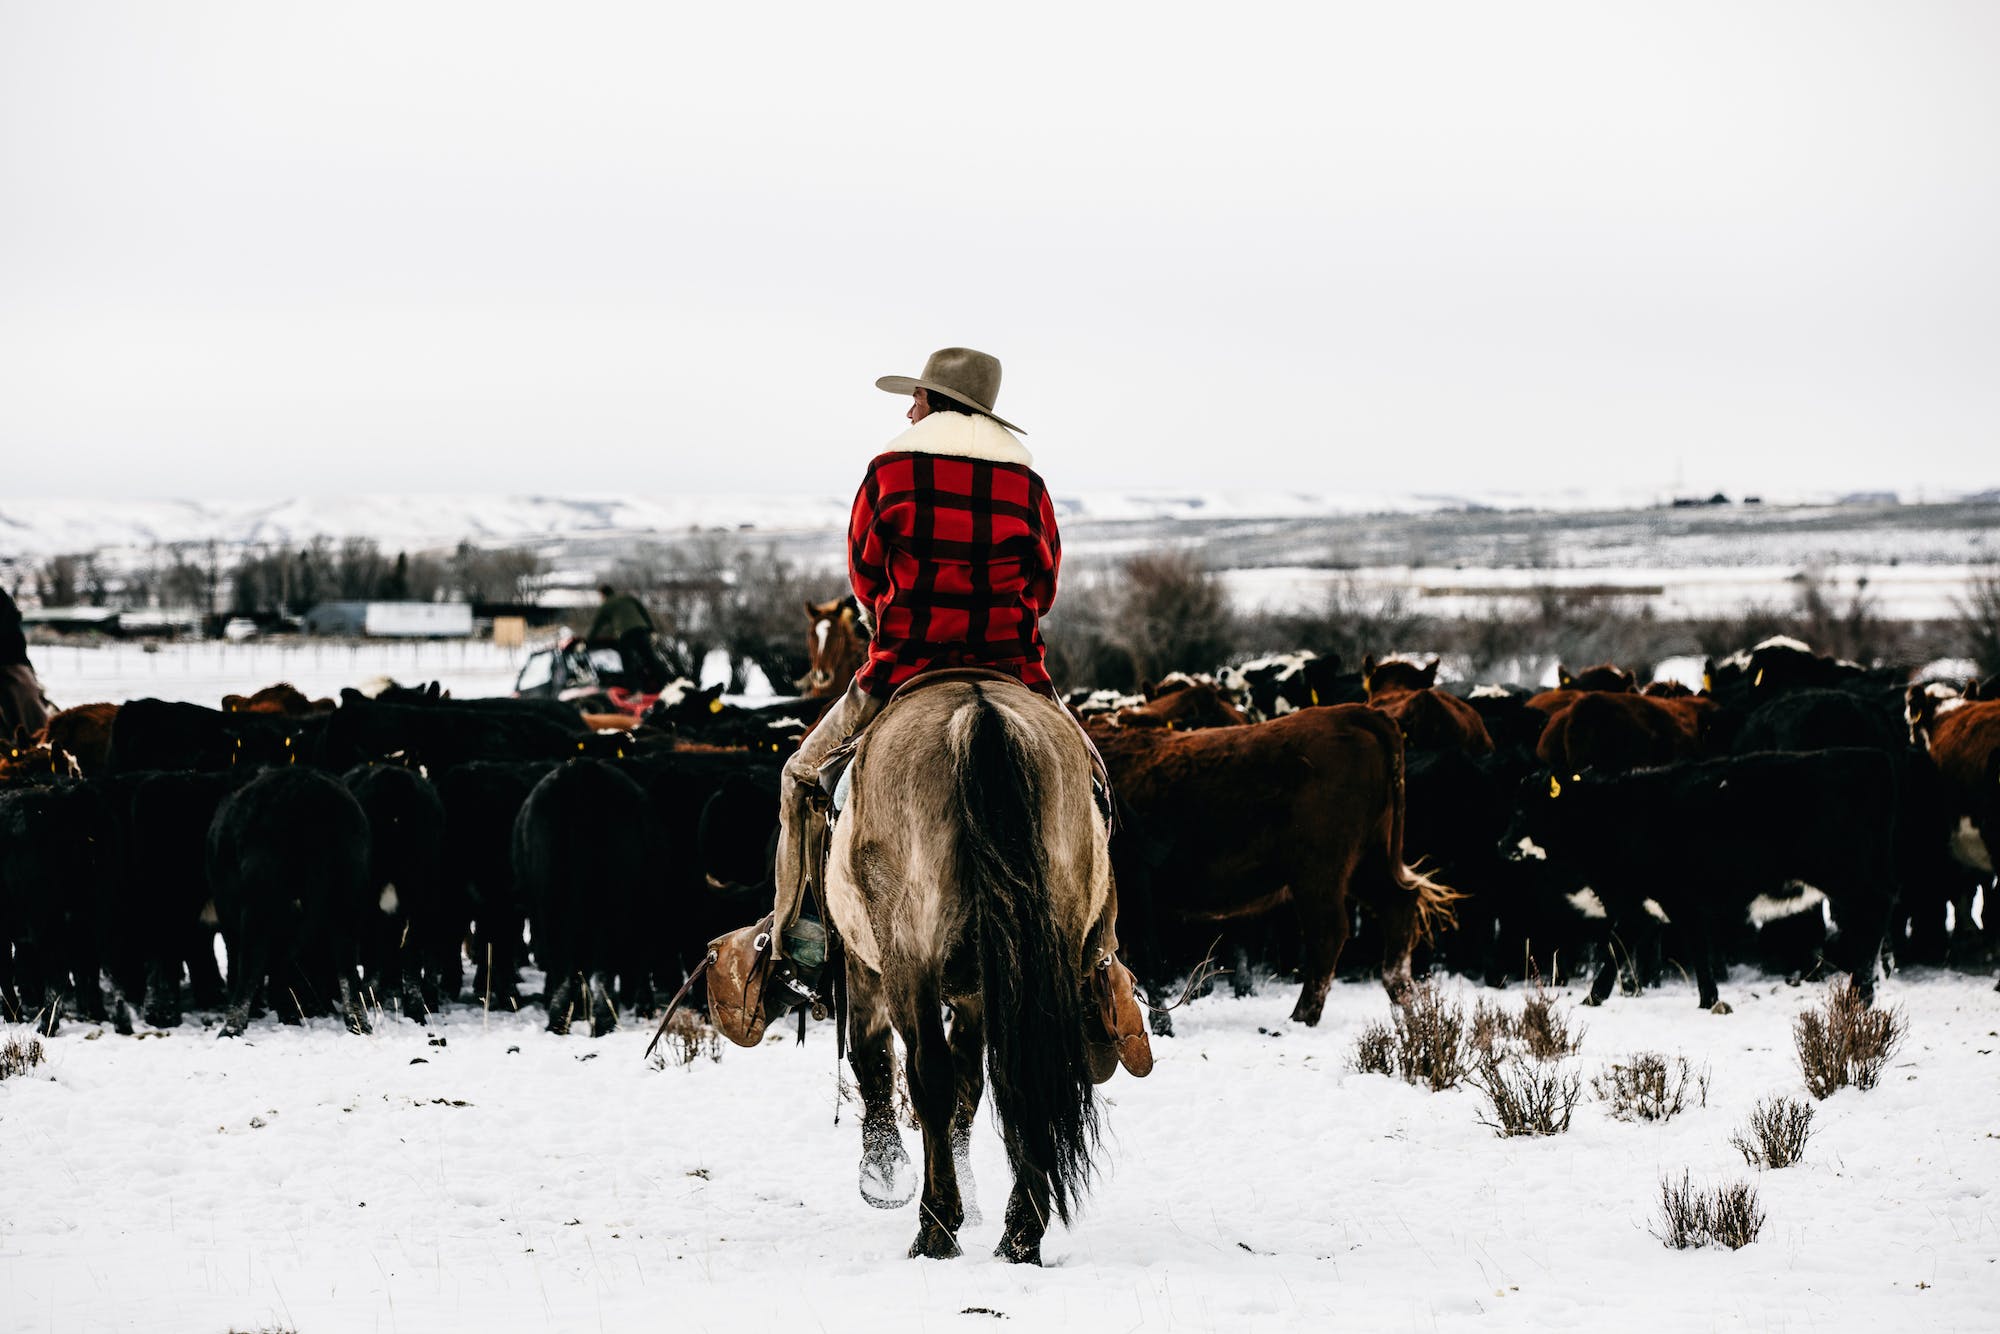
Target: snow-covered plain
506	1179
202	672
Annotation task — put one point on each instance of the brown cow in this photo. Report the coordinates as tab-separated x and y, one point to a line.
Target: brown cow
1604	678
283	698
1181	703
1617	732
836	647
1429	718
33	763
1963	737
1666	690
1234	821
84	732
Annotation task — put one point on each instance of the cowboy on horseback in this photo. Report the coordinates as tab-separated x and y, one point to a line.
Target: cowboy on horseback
953	554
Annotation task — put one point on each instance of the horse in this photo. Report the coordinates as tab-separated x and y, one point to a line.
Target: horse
970	868
836	647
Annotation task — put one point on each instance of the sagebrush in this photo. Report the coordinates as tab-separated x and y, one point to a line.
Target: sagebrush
1841	1043
19	1054
1649	1087
1694	1216
1426	1042
1543	1029
1777	1133
1527	1096
688	1037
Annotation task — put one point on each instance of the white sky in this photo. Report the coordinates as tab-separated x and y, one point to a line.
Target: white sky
275	249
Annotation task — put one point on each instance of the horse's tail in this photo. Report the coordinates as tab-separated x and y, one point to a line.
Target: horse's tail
1029	973
1434	899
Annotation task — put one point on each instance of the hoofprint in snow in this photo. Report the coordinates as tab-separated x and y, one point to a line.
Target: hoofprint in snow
504	1179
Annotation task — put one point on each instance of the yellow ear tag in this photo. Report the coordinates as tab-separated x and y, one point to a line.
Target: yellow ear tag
1707	684
579	745
1314	696
1555	787
1758	679
715	705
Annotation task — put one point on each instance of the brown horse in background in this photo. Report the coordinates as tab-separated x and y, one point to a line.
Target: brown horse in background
836	647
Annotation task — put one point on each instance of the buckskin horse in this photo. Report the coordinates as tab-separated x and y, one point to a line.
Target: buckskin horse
970	869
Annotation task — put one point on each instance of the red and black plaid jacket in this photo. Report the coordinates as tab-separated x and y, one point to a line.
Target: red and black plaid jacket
956	561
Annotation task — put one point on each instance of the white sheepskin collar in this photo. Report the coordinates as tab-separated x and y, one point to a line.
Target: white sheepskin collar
960	435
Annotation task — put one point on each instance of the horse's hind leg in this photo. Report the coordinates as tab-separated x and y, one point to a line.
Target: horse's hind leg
886	1179
968	1061
933	1096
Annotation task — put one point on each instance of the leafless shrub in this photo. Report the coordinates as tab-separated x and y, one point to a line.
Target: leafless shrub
1650	1088
1173	615
1543	1029
688	1037
1841	1043
18	1055
1375	1049
1979	621
1723	1216
1527	1097
1425	1042
1777	1133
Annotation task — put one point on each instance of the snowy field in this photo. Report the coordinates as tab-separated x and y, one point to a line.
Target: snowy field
483	1175
203	672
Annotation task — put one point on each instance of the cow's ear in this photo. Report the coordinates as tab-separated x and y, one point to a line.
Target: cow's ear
1563	679
1149	689
1368	666
1631	677
349	695
1430	672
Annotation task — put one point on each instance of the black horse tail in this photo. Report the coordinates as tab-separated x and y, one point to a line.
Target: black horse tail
1030	974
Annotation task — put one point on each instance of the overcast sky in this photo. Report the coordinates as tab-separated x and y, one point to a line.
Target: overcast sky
277	249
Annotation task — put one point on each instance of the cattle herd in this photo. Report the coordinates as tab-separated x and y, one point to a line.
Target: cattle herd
407	851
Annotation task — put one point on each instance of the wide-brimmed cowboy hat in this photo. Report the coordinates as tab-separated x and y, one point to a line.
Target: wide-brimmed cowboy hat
960	374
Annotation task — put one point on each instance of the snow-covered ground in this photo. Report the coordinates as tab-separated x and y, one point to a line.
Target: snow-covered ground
505	1179
203	672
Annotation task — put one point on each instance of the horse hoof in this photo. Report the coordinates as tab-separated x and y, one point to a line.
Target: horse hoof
1721	1007
886	1179
934	1243
1016	1251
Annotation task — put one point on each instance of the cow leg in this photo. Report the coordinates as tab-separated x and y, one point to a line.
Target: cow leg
886	1180
162	1004
1323	932
1702	944
968	1061
247	961
933	1096
1607	973
603	1014
561	1001
350	1002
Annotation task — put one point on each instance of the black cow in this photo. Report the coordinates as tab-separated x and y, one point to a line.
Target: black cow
481	802
1509	721
170	907
1703	839
1285	682
713	818
409	948
442	735
167	734
288	862
55	866
580	845
774	728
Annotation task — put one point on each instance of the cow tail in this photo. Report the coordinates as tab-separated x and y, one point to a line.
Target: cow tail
1434	898
1030	976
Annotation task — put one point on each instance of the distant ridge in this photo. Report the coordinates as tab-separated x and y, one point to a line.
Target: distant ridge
40	528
